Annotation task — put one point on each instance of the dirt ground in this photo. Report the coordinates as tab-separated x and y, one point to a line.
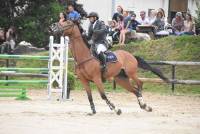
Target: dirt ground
171	115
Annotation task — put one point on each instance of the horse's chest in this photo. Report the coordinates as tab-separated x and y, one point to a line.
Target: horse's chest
83	73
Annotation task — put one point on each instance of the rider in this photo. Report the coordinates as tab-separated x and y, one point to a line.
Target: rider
97	33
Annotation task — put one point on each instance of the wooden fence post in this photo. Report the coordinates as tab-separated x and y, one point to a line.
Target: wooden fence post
173	77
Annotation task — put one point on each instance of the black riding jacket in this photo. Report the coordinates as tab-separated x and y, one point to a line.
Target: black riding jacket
97	32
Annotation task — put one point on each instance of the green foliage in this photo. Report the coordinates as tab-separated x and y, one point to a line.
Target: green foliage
183	48
70	80
31	18
172	48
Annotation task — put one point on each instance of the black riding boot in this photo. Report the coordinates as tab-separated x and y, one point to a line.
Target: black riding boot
102	59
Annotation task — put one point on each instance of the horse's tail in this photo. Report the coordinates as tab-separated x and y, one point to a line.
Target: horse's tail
144	65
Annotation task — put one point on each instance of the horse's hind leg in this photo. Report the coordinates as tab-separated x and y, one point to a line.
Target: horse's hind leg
100	87
125	83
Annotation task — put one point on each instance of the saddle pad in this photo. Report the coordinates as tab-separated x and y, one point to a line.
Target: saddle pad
110	57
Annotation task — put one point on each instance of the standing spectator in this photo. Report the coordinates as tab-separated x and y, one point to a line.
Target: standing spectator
134	22
178	23
189	25
2	35
62	18
143	20
11	37
72	14
152	16
118	13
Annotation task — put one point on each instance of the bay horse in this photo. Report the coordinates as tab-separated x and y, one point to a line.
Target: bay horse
88	68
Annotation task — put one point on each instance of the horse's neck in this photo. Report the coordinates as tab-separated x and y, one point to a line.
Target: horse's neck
79	49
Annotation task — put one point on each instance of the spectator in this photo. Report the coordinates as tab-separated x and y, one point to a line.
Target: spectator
178	23
163	13
152	16
62	18
120	22
112	26
72	14
10	41
134	22
118	13
114	31
143	20
127	19
159	24
126	28
189	25
2	35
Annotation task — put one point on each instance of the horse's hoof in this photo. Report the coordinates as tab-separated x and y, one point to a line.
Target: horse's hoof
149	109
143	106
119	111
90	114
94	112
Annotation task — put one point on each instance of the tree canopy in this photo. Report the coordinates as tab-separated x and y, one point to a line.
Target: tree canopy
31	18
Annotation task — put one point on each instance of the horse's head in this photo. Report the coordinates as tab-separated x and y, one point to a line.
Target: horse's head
66	28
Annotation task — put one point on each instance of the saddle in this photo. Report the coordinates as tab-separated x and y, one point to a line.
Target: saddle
110	57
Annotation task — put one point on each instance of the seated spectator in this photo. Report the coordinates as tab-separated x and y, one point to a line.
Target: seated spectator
178	23
126	28
134	23
118	13
143	20
152	16
112	26
62	19
189	25
127	19
113	31
159	24
163	18
72	14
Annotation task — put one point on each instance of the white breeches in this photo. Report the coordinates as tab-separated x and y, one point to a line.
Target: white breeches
101	48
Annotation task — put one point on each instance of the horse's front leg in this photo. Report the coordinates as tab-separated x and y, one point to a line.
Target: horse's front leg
89	94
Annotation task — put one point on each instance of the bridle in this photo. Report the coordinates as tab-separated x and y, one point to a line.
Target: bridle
68	27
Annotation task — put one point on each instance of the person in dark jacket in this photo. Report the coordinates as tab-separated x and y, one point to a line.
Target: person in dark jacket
97	33
118	13
134	23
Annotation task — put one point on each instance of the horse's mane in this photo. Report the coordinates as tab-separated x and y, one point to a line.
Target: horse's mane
85	40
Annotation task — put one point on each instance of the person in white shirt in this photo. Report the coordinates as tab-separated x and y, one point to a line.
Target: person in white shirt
152	16
143	20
